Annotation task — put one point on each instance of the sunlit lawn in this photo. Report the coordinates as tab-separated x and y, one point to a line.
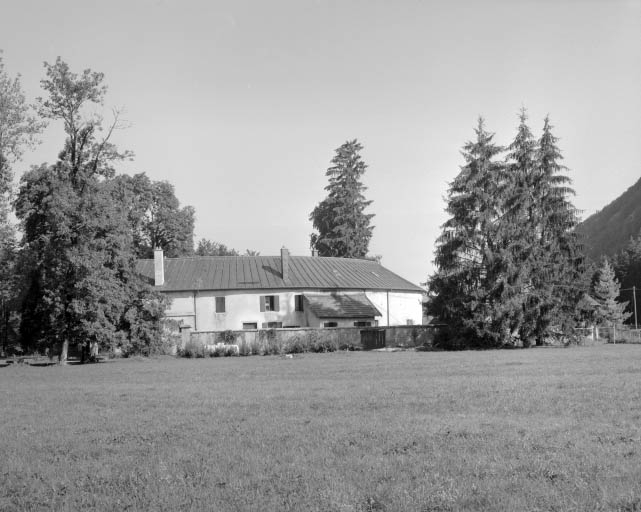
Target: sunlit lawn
537	429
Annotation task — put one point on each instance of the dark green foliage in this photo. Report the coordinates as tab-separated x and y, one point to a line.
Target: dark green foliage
508	260
604	289
77	260
228	337
465	288
210	248
541	219
18	130
155	216
627	267
608	231
343	228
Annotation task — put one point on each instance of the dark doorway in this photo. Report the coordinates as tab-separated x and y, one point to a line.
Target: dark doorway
373	338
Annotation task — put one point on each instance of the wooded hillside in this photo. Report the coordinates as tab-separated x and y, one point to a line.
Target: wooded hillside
608	231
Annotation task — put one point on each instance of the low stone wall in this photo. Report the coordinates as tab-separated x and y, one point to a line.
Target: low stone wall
279	341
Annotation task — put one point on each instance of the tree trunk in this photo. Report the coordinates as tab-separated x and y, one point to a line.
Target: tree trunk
62	358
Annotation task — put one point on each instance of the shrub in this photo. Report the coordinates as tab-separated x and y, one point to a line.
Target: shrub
297	344
323	341
192	349
228	337
218	351
269	342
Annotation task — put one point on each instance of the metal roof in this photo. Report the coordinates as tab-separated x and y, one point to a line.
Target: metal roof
341	305
264	272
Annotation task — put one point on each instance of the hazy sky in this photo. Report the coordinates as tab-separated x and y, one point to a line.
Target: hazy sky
241	104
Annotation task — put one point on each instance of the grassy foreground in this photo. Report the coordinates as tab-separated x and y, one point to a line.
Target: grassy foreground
538	429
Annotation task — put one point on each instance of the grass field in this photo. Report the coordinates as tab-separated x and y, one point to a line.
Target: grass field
537	429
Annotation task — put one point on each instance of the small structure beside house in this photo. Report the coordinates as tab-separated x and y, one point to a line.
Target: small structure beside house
217	293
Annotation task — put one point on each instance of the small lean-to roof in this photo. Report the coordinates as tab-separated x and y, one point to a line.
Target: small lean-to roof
264	272
341	305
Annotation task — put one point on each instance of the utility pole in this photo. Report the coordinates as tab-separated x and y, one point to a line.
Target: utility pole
634	299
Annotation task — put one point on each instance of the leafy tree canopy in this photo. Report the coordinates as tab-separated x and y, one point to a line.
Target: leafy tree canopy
155	216
80	284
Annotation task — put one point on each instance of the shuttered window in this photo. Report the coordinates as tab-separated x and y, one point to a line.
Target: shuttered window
220	304
298	303
269	303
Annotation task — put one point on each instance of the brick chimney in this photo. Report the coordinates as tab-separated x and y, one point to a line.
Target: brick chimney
159	267
284	262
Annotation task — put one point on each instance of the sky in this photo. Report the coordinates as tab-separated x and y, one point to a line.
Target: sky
241	104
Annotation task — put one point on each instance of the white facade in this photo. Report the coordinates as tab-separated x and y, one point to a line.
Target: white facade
242	309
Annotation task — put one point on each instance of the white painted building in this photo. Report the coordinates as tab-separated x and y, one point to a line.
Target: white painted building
216	293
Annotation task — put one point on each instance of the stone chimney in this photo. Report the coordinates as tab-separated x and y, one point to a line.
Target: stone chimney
159	267
284	262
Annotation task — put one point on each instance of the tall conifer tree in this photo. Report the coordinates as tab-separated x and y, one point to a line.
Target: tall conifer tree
343	228
468	278
604	289
559	262
508	260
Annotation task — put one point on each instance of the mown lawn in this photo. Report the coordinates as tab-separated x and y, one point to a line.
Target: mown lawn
537	429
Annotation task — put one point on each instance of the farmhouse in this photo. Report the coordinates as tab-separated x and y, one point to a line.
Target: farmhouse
215	293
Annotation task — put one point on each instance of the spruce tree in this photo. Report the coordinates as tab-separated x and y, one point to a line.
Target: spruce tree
508	260
343	228
604	289
469	275
518	233
559	263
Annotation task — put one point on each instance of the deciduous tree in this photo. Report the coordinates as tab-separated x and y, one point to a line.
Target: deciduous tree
77	245
19	128
155	216
210	248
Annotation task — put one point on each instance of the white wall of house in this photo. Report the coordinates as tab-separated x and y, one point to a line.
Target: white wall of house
181	308
198	309
403	307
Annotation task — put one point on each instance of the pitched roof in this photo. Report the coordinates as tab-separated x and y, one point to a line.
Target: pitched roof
264	272
341	305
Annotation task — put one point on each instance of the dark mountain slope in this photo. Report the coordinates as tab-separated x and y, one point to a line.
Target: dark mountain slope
609	230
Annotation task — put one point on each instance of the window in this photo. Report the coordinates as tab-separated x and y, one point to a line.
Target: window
250	325
269	303
410	321
272	325
362	324
330	324
298	303
220	304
